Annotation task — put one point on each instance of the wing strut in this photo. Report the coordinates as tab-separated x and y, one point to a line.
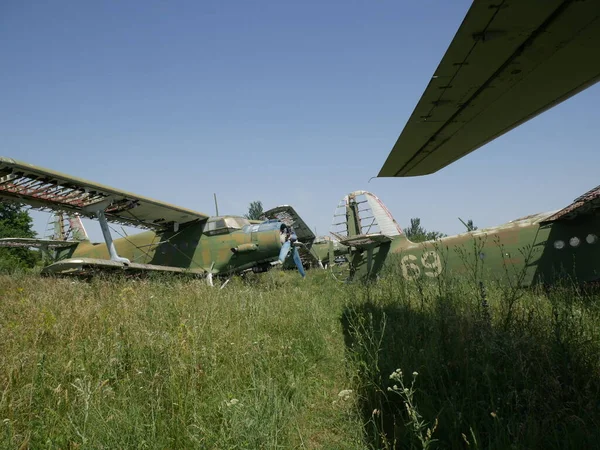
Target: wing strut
98	210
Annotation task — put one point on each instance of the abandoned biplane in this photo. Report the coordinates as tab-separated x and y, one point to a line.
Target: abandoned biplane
508	62
178	240
540	248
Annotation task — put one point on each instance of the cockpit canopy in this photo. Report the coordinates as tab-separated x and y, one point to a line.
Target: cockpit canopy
225	224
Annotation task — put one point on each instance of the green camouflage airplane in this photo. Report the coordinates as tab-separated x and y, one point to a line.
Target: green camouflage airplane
535	249
178	240
508	62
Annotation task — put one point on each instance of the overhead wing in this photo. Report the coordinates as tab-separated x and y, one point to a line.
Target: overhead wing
290	217
509	61
586	204
35	243
49	190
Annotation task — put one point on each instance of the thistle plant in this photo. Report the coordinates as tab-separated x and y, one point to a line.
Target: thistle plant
416	424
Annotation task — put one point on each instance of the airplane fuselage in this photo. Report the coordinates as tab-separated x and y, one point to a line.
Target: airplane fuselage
527	251
194	247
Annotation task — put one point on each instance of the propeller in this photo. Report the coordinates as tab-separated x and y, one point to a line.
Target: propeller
285	249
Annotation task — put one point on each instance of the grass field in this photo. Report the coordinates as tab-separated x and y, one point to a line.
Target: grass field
273	361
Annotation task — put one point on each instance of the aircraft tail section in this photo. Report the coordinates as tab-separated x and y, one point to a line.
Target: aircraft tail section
361	219
363	223
67	232
77	229
67	227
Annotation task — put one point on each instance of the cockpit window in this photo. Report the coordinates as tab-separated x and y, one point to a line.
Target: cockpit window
217	225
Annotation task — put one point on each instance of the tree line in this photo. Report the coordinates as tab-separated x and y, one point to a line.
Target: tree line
15	222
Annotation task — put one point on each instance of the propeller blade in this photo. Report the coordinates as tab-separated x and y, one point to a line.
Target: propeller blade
298	262
285	248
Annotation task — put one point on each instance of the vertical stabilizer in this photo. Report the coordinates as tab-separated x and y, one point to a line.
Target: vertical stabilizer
76	228
362	213
67	227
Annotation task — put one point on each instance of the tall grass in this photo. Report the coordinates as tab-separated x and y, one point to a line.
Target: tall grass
493	368
168	363
274	361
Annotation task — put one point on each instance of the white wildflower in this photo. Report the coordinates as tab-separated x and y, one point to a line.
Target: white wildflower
233	401
345	394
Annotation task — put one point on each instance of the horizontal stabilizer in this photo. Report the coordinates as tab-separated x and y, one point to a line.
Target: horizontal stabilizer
49	190
35	243
586	204
365	240
88	266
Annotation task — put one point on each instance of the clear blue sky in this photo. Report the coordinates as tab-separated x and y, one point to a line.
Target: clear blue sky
285	102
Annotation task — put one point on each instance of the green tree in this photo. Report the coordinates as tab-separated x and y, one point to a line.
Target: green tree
16	222
255	210
470	225
416	233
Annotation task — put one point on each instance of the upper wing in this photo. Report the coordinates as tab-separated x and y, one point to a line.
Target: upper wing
46	189
290	217
509	61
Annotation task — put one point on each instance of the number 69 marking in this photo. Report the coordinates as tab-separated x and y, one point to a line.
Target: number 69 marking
432	265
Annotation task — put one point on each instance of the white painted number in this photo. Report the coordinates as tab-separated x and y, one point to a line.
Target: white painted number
431	261
409	269
432	265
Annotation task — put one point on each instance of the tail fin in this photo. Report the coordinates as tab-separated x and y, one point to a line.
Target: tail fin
362	214
363	223
68	227
77	229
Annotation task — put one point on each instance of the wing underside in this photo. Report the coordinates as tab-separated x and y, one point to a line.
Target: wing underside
508	62
49	190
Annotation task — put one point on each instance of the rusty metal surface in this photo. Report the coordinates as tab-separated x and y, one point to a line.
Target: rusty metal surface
46	189
583	204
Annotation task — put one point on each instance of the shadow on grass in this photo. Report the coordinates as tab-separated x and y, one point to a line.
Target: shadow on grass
532	384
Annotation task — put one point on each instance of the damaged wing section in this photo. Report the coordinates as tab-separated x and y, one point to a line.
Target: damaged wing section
290	217
508	62
584	205
46	189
